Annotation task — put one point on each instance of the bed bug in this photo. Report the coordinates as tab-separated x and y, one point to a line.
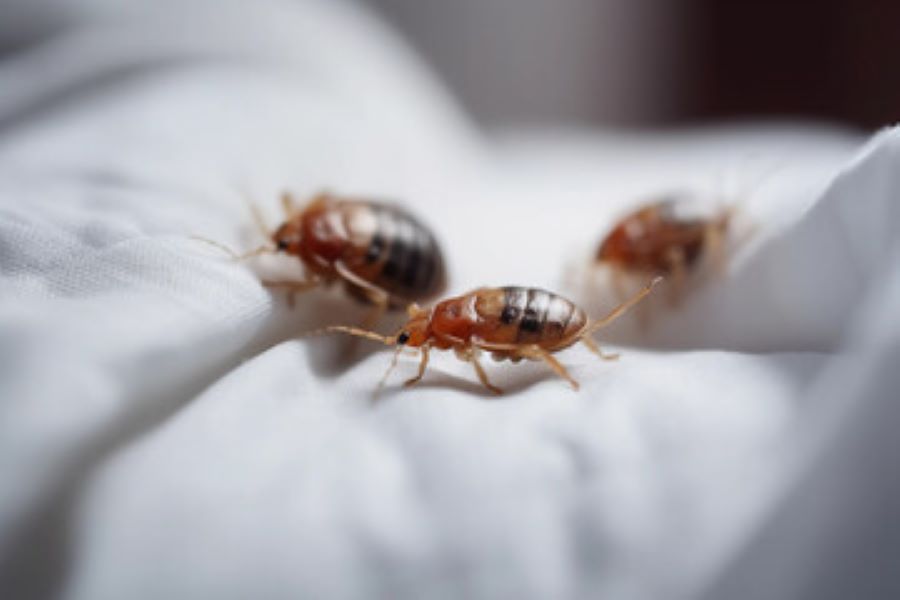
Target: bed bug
668	237
511	323
380	252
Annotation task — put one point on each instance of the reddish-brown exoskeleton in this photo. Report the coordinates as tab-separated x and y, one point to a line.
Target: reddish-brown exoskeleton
510	322
380	252
668	237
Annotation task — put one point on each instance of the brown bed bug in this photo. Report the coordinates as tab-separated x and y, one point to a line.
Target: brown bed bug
668	237
511	323
380	252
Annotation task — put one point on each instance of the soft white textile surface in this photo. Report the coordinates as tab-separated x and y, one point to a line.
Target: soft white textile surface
162	434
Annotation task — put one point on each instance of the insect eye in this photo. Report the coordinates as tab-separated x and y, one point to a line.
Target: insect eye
403	338
282	245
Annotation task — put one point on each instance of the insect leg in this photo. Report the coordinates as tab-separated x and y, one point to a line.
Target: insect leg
537	352
713	239
293	287
390	368
288	205
595	348
423	363
375	294
482	376
678	269
470	355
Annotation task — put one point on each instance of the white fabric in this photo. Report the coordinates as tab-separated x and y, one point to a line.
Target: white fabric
163	435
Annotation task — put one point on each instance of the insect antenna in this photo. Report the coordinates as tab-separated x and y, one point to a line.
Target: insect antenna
354	331
234	255
622	308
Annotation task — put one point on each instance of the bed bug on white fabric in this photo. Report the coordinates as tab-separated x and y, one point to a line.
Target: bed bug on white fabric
380	252
668	237
511	323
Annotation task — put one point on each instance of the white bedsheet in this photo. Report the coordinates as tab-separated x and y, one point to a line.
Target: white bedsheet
163	435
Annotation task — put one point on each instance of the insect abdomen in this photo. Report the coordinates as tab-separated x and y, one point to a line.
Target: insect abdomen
654	238
517	315
395	252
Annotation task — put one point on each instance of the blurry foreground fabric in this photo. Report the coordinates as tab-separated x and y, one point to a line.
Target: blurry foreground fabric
163	435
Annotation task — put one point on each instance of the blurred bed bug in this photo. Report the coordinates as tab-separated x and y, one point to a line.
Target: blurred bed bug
380	252
512	323
668	237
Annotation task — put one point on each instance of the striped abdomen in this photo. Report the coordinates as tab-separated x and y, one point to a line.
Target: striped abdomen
511	316
391	249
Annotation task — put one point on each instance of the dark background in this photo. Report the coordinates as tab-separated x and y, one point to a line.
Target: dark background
661	62
831	59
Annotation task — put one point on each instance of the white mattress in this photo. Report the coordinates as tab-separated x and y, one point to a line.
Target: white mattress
163	433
